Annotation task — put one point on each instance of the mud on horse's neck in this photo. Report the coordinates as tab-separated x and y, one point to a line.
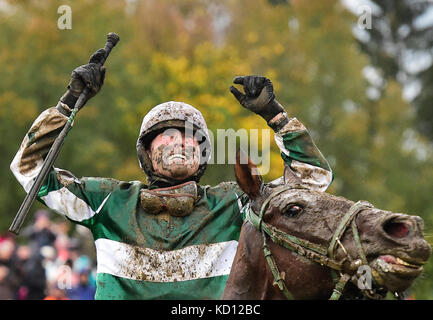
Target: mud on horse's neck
247	279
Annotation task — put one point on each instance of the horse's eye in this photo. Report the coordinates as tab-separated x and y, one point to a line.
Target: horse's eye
293	210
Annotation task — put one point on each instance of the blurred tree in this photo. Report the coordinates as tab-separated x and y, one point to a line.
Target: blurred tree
400	45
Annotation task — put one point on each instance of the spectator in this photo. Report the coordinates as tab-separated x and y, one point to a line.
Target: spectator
84	263
40	233
52	265
7	249
55	292
8	277
84	290
6	288
62	246
50	262
34	278
61	229
23	254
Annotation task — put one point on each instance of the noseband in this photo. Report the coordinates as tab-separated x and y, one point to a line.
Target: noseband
315	252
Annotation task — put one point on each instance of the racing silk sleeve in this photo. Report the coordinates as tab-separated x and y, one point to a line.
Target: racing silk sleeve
299	151
77	199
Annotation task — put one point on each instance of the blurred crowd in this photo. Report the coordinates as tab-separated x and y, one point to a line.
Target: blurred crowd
49	261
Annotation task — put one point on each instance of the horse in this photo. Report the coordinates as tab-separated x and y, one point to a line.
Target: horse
298	243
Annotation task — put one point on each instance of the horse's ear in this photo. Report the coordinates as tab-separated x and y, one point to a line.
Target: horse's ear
290	178
247	175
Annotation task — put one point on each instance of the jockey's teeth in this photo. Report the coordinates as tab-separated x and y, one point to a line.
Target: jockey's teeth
177	156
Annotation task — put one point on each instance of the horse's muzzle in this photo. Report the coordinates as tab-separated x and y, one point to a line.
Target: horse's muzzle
407	232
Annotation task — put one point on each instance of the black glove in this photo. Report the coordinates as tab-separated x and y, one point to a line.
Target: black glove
90	75
259	96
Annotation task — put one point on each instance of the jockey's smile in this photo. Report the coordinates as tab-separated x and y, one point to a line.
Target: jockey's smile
174	154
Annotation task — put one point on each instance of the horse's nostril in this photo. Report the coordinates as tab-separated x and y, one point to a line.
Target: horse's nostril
396	229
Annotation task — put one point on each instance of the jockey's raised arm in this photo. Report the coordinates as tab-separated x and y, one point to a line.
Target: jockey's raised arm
298	149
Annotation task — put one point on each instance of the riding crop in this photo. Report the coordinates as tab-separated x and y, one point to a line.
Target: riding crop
15	227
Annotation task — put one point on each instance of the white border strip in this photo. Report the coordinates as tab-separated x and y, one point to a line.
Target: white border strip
66	203
145	264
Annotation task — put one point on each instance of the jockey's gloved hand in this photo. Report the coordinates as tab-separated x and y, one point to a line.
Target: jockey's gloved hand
90	75
259	96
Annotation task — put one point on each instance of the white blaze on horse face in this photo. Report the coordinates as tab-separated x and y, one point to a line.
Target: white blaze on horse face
175	154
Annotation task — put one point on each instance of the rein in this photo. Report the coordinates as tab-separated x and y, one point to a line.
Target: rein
315	252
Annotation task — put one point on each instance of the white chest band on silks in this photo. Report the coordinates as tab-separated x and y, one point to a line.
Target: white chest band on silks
178	200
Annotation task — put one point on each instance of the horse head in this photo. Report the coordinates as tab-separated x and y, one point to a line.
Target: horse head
305	244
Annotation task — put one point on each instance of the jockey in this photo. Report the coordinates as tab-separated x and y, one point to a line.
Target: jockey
172	238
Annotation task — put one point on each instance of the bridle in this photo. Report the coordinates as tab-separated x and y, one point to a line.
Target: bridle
312	251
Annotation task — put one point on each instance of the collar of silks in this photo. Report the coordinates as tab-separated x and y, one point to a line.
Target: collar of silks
177	200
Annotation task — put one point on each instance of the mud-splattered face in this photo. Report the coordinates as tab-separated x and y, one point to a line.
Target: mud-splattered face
175	154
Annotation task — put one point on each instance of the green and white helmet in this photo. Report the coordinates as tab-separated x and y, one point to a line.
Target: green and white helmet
168	115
